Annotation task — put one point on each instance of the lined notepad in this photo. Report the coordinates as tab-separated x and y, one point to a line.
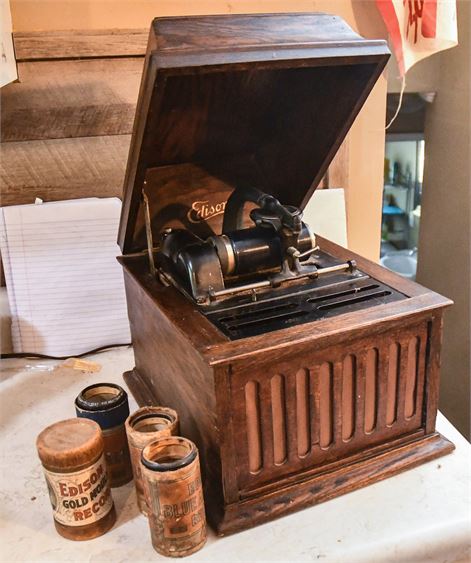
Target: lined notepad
65	287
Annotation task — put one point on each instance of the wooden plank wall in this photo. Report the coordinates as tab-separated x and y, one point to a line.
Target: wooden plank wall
66	124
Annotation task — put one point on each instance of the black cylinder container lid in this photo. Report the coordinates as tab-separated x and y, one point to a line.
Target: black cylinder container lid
105	403
173	465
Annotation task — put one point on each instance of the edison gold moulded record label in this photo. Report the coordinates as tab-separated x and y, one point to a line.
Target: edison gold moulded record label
81	497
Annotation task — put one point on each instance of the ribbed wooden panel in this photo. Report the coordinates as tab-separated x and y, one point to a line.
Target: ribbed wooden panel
303	413
254	439
348	397
324	411
278	413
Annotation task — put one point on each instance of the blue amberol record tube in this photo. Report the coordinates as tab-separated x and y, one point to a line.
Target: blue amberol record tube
144	426
107	405
174	496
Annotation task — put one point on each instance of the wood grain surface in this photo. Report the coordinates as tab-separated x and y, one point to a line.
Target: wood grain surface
60	99
332	482
210	378
297	416
259	79
65	124
76	44
245	409
63	169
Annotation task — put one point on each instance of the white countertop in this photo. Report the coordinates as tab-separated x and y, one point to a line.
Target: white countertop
422	515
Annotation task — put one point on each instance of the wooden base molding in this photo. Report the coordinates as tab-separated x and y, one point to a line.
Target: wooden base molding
330	484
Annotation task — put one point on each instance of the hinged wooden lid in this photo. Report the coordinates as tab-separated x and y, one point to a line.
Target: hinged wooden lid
225	101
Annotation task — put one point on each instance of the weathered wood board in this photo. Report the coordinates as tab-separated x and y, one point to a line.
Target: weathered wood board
63	169
59	99
76	44
66	124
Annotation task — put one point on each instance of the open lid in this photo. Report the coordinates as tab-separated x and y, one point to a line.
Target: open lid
240	100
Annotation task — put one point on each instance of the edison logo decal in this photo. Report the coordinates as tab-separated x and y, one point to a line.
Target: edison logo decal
205	210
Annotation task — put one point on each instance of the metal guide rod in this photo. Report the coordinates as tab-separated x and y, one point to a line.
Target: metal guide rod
257	285
150	242
350	265
308	252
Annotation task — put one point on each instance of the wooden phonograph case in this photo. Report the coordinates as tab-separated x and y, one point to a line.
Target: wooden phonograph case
300	370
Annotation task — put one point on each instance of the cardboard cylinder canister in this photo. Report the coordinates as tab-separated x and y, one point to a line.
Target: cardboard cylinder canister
107	405
144	426
72	455
174	495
